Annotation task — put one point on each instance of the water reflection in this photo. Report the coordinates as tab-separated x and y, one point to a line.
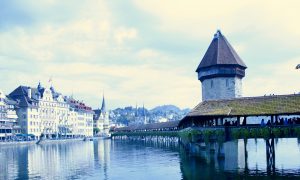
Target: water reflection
54	161
102	156
148	159
243	158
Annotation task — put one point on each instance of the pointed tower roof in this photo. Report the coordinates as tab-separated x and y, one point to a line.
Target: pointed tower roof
220	52
144	115
52	89
39	85
144	112
136	111
103	108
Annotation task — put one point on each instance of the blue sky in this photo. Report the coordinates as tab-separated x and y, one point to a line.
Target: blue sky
145	51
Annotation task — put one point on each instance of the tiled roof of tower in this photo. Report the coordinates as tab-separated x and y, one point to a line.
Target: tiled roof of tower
220	52
249	106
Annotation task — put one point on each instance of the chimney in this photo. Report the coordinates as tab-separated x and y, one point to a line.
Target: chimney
29	92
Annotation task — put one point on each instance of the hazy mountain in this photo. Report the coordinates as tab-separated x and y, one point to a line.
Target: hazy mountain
158	114
165	108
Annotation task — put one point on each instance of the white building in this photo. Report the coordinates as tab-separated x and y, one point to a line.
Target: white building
80	118
8	117
43	111
101	120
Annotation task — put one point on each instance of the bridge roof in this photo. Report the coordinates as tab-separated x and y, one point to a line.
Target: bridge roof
169	124
249	106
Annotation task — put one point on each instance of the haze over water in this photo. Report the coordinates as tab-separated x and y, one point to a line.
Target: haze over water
106	159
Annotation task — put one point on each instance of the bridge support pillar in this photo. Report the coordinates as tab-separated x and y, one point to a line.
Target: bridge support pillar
272	120
270	155
221	153
219	122
238	121
246	154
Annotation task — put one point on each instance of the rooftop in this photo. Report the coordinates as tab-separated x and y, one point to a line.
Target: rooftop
220	52
249	106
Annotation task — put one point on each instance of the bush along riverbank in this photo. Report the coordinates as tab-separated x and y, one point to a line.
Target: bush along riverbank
219	135
265	132
203	135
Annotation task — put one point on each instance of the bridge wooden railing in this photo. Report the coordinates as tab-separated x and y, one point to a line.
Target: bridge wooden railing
221	133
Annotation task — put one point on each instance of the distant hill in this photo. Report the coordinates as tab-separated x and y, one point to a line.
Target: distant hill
157	114
165	108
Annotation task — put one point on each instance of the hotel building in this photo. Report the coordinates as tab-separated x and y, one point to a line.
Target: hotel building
44	111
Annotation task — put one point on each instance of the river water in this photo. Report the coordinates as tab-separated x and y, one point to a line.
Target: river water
116	159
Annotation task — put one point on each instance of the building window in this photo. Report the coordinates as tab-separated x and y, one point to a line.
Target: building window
211	84
227	82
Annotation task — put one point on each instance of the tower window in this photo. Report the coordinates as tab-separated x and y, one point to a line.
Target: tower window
211	83
227	82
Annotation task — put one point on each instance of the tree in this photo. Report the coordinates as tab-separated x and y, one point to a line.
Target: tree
96	130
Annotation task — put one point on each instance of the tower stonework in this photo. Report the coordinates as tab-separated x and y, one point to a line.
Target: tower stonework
221	71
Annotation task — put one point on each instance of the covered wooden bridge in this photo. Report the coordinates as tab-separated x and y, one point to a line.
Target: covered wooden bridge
164	126
237	112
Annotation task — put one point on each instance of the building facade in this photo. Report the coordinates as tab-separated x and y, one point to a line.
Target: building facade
221	71
140	116
43	111
101	120
80	118
8	118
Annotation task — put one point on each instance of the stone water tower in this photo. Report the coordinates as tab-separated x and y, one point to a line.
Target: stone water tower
221	71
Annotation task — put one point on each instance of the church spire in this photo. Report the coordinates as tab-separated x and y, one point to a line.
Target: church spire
144	115
136	110
39	87
103	108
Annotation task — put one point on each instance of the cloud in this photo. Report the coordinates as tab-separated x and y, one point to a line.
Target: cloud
122	34
195	18
199	19
122	84
276	78
146	53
